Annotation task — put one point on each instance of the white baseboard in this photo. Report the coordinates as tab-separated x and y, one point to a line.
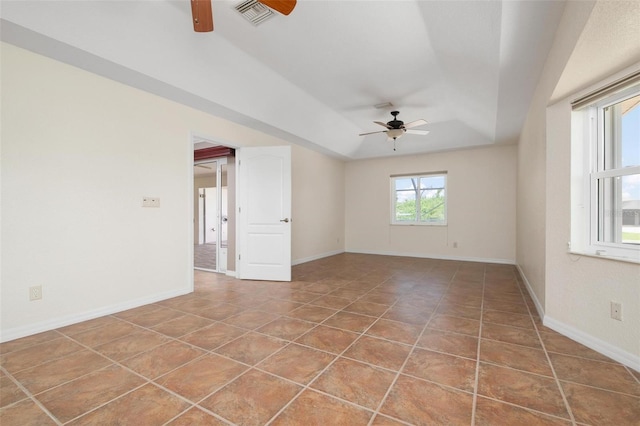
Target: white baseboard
39	327
315	257
230	273
607	349
434	256
533	295
600	346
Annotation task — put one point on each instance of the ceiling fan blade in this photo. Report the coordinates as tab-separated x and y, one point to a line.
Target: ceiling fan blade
202	16
382	124
415	124
283	6
371	133
417	132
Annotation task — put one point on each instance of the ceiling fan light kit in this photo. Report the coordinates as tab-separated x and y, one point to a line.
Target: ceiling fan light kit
395	133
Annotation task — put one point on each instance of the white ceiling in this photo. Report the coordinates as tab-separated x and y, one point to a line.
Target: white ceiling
467	67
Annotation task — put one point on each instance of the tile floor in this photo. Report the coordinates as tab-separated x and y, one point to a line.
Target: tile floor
353	340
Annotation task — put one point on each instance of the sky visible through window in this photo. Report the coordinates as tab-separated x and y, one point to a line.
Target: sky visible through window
405	187
631	152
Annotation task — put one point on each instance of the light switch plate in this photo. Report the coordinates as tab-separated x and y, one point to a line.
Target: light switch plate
150	202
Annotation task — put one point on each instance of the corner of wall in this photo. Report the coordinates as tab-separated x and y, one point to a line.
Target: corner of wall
534	297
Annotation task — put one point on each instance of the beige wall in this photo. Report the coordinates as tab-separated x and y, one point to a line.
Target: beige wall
572	293
532	154
480	202
317	209
78	154
579	289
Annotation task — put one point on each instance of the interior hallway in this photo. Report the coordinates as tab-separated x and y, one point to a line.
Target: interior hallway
353	340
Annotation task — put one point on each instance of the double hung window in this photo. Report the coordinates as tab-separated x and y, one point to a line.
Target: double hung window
419	199
609	129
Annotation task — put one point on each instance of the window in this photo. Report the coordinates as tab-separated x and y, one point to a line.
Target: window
610	138
419	199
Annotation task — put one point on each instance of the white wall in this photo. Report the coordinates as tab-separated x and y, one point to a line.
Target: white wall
78	154
481	186
572	293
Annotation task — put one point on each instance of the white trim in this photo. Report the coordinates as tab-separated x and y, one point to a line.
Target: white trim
230	273
434	256
532	293
600	346
316	257
602	254
52	324
595	134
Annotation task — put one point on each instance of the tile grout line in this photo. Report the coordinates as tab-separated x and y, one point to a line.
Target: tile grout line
341	355
119	364
250	367
207	352
152	381
553	370
395	379
307	386
29	396
474	404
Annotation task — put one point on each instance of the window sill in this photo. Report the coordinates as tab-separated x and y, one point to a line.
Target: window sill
418	224
635	260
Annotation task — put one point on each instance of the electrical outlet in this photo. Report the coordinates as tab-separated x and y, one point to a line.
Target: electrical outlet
35	292
616	311
455	244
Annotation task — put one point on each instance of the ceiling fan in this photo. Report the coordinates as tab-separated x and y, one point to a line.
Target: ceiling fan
396	128
203	15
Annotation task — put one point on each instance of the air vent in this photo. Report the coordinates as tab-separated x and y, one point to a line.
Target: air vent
254	11
384	105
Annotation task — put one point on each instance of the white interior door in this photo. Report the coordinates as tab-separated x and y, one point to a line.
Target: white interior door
264	213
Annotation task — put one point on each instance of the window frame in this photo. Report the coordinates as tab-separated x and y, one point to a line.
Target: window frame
595	134
418	177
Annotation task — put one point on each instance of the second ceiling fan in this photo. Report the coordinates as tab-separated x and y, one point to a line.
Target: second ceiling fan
203	15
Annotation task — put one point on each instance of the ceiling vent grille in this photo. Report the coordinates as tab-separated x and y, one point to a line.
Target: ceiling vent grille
254	11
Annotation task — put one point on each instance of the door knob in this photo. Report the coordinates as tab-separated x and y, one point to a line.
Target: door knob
285	220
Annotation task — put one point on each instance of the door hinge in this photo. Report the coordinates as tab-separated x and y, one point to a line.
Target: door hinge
239	256
239	209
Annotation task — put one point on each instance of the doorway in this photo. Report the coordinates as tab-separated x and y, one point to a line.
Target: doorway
211	221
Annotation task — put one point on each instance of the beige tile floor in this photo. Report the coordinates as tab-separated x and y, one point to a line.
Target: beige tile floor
353	340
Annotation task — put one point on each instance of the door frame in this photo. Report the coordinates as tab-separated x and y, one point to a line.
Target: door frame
196	137
220	161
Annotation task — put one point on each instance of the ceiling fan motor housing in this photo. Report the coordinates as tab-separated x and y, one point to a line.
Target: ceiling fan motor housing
395	123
